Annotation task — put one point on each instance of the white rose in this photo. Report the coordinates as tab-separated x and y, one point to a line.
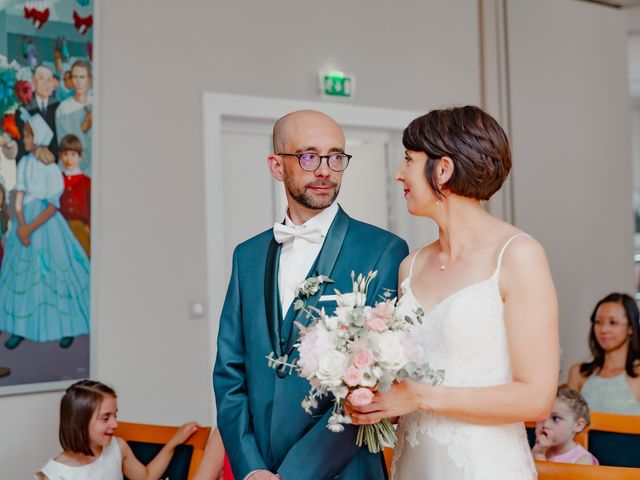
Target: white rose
331	368
390	351
315	344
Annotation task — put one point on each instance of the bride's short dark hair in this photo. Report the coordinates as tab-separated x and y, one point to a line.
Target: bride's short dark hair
472	139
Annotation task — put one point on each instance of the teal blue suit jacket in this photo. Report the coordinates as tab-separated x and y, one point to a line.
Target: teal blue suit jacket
262	423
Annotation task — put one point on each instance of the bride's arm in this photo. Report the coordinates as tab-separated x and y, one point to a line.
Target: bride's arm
531	317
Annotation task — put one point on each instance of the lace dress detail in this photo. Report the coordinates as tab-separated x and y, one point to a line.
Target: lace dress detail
465	335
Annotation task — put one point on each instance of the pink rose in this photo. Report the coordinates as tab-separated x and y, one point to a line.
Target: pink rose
363	358
376	323
352	376
381	316
384	311
360	397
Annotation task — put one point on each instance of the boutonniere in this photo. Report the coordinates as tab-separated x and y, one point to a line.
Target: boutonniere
307	288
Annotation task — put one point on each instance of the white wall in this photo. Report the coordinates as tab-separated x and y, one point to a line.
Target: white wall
571	146
155	60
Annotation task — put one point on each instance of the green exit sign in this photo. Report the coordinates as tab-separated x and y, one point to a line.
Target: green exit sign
337	84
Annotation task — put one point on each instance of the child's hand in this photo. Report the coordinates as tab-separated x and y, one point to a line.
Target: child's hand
44	155
544	442
183	433
24	234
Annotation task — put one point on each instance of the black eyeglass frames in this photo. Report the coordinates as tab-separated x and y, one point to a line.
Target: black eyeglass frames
310	162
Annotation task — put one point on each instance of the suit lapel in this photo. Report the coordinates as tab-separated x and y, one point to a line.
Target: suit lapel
272	296
323	265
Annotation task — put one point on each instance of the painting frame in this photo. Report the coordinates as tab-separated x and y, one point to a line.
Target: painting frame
62	384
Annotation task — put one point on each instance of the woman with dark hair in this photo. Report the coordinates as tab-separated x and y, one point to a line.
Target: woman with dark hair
611	381
490	312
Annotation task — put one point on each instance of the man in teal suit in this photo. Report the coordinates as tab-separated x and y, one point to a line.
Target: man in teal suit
266	433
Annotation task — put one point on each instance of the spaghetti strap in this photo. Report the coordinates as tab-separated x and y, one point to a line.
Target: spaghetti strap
413	260
504	248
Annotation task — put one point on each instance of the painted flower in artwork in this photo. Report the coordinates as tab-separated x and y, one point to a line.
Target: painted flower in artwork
24	92
9	126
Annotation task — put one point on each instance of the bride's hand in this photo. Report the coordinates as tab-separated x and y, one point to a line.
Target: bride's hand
403	397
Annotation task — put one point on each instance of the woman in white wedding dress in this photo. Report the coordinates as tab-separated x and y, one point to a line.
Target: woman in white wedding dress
490	312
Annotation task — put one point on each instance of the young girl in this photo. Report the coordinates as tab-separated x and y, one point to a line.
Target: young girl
554	436
44	281
90	450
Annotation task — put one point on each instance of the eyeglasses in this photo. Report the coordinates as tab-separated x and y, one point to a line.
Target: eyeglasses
310	162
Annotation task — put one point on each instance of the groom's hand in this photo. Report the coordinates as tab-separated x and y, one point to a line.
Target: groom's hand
263	475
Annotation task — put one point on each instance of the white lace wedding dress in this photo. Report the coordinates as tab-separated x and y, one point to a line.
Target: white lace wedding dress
465	335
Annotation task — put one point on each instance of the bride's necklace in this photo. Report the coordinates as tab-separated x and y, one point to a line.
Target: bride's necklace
441	262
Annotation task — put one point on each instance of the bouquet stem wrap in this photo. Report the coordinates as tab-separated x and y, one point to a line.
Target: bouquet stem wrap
377	436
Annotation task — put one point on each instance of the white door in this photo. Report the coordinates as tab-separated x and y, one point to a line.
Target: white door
242	199
253	200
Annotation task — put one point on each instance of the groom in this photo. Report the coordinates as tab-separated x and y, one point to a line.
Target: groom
266	433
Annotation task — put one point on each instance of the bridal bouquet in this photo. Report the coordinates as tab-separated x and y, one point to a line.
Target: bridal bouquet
357	350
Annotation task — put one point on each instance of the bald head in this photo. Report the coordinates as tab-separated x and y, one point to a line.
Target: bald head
303	123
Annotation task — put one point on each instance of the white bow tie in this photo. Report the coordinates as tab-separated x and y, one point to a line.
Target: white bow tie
282	233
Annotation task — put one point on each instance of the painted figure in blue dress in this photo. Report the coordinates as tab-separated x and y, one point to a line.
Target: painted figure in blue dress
44	279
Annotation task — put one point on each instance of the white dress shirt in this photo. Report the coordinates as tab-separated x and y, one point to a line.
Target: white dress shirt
42	104
298	255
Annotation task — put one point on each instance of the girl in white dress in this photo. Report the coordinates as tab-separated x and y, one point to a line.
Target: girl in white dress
490	312
91	451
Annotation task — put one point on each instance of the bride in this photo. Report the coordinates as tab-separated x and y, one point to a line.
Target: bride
490	312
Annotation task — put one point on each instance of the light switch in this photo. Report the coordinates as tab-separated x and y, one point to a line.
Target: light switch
196	309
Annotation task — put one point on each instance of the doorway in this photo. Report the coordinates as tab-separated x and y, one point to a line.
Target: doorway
242	199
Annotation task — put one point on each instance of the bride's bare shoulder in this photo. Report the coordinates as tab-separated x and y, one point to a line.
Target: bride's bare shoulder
523	248
420	254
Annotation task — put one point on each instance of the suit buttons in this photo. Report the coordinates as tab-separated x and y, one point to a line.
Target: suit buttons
281	373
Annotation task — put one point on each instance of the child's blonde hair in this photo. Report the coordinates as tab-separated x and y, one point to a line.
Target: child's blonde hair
576	402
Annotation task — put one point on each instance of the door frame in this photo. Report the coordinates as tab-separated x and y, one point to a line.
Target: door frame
216	107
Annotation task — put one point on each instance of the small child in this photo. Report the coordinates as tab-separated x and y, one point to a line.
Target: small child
90	450
75	202
554	436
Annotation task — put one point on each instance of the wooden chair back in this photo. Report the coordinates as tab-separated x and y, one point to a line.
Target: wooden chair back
614	439
161	434
568	471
